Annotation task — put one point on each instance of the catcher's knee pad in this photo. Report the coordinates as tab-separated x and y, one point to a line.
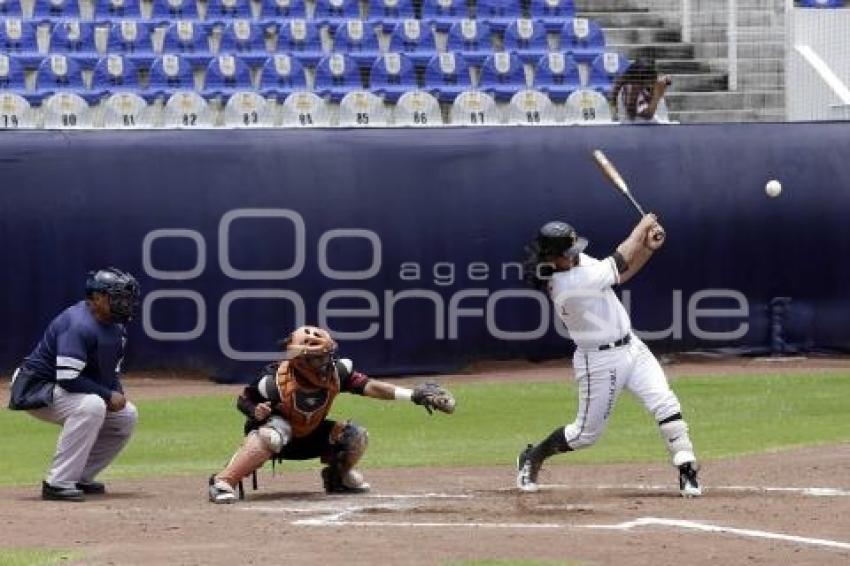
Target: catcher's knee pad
350	441
275	434
675	433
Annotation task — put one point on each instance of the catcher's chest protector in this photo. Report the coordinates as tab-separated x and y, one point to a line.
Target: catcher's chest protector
304	408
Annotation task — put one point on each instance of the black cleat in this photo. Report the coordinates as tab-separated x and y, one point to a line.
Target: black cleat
527	470
52	493
688	482
91	487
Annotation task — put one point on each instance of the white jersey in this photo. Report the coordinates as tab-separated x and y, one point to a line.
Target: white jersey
587	305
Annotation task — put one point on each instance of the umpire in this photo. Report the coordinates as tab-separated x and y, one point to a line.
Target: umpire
71	378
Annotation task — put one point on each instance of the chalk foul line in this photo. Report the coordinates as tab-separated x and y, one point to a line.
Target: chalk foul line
709	528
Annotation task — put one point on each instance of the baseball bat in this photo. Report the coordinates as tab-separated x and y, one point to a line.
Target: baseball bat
611	173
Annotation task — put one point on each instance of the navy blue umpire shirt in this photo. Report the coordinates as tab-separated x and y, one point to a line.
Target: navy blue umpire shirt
81	354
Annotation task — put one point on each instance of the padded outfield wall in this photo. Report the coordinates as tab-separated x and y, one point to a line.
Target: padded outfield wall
406	242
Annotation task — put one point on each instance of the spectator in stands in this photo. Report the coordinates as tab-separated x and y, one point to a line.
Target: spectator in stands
638	92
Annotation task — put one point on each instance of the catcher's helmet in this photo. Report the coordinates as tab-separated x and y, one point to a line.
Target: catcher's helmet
122	289
313	354
559	238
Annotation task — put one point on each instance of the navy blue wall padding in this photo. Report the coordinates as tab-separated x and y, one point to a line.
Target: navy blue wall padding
76	201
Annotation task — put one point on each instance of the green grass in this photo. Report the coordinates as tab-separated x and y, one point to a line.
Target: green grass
35	557
728	416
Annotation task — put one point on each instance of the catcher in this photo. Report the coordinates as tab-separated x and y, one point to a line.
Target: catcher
287	408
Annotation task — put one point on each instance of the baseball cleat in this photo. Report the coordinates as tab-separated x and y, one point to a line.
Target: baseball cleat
351	483
91	487
221	492
688	482
53	493
527	470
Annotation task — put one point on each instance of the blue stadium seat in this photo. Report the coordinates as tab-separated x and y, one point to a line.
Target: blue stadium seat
415	39
247	40
132	39
443	14
358	40
336	76
277	11
223	12
105	11
114	73
189	40
447	75
11	9
527	39
392	75
498	13
502	76
334	12
557	75
605	69
166	11
553	13
472	39
822	3
281	76
226	75
300	38
388	13
53	10
18	38
75	39
169	74
12	78
59	73
583	39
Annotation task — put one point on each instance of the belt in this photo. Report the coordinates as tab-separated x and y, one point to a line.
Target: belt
621	342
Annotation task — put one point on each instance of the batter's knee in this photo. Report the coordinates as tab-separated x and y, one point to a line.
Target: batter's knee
582	437
665	407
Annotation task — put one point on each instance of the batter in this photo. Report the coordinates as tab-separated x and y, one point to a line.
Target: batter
608	357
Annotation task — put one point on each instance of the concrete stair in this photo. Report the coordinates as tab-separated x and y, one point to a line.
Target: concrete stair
700	69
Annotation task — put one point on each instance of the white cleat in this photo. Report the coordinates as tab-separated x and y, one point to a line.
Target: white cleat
688	482
526	476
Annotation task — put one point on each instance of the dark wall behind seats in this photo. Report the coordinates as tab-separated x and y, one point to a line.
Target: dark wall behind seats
74	201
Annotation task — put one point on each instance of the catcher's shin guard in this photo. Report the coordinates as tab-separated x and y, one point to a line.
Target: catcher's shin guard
349	441
251	456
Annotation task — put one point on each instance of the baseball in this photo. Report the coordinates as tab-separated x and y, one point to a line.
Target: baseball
773	188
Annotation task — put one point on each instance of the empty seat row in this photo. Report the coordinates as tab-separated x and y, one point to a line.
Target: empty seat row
300	109
446	76
821	3
387	12
526	38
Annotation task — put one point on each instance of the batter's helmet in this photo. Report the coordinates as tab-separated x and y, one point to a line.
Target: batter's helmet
559	238
122	289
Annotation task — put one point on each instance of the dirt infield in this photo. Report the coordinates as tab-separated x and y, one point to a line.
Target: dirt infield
791	506
592	514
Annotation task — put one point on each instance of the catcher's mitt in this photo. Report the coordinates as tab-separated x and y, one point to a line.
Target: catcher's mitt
433	396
